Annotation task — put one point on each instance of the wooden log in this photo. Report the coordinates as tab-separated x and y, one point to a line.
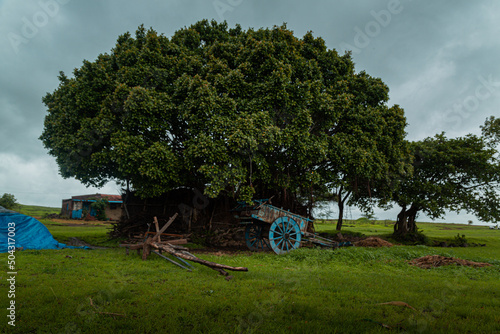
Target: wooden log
184	255
179	247
180	253
146	248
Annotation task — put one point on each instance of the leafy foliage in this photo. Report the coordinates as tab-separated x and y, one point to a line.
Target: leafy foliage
241	113
100	206
491	131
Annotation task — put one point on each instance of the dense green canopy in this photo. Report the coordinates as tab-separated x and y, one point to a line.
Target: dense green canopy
232	112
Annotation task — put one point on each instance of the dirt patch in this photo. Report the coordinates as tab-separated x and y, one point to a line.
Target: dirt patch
373	242
433	261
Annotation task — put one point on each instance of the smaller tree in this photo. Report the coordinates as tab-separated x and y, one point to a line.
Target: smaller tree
451	174
8	201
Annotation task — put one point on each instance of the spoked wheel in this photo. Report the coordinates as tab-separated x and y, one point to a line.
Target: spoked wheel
284	235
254	237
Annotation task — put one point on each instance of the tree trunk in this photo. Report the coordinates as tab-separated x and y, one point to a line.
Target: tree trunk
341	215
341	202
400	227
412	215
341	210
311	203
406	221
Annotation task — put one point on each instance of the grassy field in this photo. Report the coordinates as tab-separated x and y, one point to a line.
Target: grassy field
36	211
305	291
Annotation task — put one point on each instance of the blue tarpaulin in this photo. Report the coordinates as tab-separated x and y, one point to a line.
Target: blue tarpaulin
26	232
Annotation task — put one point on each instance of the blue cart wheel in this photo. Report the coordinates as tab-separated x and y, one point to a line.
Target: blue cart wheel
284	235
254	238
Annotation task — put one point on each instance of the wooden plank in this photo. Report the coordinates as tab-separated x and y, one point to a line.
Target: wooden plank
170	221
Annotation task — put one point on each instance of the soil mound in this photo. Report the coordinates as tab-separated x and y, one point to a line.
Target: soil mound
373	242
433	261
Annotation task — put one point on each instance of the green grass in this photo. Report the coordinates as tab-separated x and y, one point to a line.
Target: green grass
36	211
95	234
305	291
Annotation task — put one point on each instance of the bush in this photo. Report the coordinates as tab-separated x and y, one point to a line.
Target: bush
100	206
459	240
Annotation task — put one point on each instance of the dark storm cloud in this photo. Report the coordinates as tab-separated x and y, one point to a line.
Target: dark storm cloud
439	59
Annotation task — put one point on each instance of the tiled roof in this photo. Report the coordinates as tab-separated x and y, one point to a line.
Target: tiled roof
114	198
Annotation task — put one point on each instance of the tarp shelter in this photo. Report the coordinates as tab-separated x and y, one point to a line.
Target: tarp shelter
25	232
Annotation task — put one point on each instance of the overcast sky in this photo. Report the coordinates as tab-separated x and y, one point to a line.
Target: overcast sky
439	59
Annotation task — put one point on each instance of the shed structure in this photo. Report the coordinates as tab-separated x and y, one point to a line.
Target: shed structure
76	206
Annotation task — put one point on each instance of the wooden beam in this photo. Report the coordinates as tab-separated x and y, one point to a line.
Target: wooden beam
170	221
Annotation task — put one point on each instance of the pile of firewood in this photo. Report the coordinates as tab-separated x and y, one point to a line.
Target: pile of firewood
154	244
135	226
228	237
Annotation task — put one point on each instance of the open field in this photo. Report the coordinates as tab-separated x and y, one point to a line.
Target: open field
306	291
36	211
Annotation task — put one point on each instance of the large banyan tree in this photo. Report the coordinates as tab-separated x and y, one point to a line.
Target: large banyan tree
232	112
